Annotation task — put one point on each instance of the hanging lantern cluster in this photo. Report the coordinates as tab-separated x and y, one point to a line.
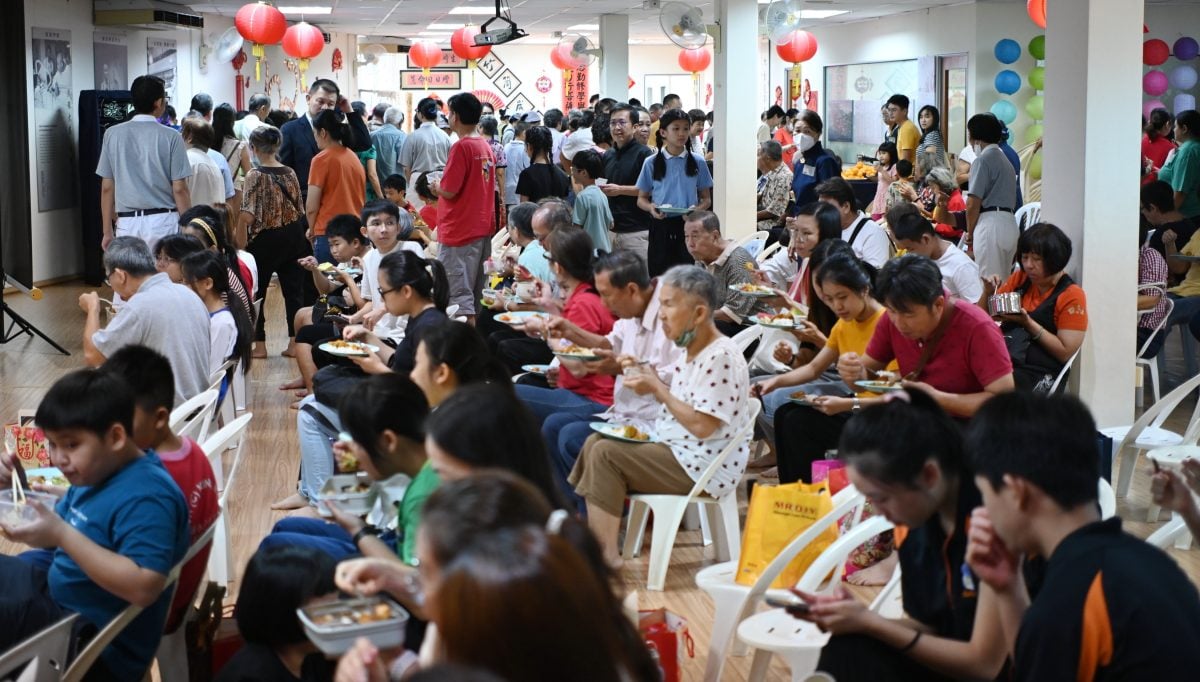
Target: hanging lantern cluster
425	54
303	41
261	24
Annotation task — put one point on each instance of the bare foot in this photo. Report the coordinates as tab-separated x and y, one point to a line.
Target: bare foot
290	351
875	574
292	385
296	405
616	563
294	501
260	350
302	393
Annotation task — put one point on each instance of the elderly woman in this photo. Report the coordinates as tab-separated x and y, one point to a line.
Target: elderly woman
701	410
1053	318
945	192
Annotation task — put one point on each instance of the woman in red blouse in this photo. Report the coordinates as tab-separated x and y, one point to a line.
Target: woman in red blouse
1156	145
569	251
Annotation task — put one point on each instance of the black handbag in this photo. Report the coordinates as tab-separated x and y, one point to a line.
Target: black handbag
332	383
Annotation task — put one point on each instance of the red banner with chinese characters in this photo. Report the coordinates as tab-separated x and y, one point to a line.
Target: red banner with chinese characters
575	89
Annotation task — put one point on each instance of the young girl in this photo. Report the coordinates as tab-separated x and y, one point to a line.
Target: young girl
885	166
337	183
171	250
429	200
450	355
204	223
408	285
542	178
678	178
230	333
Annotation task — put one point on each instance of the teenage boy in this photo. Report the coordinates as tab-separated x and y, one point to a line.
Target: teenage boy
395	190
466	207
1111	607
592	212
915	234
149	375
908	136
116	533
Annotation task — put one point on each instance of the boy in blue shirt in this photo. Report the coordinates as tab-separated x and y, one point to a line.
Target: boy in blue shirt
116	533
592	212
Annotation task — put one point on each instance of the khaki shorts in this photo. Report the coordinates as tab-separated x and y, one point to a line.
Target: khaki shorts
607	470
464	272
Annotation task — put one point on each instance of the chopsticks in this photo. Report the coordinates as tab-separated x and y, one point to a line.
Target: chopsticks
18	492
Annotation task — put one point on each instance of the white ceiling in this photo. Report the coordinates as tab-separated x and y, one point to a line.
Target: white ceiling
404	18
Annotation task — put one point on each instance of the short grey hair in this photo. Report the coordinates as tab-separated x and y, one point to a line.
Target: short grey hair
931	159
521	217
394	116
694	280
556	212
772	150
943	178
707	219
130	254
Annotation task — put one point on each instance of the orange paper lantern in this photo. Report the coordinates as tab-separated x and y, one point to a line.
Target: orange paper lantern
303	41
425	54
1037	12
799	46
695	59
261	24
463	44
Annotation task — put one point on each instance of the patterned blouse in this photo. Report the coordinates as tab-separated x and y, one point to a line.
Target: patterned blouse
272	195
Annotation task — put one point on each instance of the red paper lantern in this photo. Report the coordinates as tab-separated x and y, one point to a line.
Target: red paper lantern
799	46
425	54
695	59
261	24
463	44
1155	52
1037	12
303	41
561	58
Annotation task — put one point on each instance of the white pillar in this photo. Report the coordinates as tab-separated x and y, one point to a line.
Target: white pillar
1090	190
736	126
614	65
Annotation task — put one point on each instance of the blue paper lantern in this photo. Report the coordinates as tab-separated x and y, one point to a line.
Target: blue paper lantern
1186	49
1184	77
1007	82
1008	51
1005	111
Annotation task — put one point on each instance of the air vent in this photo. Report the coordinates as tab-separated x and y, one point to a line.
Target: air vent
151	19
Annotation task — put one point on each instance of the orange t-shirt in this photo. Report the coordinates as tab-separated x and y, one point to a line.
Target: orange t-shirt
1070	311
784	137
339	174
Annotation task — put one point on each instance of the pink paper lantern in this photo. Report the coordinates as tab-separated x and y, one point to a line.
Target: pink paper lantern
1150	105
1155	83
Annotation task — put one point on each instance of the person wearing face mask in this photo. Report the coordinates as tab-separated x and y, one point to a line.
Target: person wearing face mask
702	408
991	227
815	164
774	183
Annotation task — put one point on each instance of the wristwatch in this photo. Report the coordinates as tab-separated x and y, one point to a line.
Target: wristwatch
856	406
363	532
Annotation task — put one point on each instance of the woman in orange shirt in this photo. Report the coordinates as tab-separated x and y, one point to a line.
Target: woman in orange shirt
1053	318
337	183
783	135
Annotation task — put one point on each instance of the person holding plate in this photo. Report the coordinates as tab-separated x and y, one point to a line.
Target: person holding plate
733	267
701	411
672	183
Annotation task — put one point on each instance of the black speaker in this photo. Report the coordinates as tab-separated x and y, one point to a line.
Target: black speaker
99	110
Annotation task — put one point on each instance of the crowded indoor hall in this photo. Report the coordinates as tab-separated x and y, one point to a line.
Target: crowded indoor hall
599	340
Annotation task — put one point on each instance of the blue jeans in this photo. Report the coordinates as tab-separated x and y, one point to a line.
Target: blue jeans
564	434
321	250
318	426
1185	312
543	402
330	538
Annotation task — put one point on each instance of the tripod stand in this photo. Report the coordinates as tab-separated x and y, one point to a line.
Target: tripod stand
19	325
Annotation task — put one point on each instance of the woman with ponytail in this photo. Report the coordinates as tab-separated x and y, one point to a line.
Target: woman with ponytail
676	177
337	183
230	332
204	223
411	286
1157	144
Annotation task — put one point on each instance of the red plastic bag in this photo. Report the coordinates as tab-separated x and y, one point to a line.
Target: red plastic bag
667	635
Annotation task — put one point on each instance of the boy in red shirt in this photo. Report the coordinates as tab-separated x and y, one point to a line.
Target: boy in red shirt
466	206
149	375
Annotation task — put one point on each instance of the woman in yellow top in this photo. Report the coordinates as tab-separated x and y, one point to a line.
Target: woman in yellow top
804	431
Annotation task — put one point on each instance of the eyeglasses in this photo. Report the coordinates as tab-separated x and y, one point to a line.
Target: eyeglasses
383	292
164	259
548	257
618	123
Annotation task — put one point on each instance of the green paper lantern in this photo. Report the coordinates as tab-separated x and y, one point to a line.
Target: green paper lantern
1037	77
1036	107
1035	166
1033	132
1037	47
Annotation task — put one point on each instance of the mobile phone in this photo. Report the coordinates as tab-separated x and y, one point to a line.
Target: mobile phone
793	605
337	318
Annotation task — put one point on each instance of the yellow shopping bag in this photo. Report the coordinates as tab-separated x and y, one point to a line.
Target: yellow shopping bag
777	514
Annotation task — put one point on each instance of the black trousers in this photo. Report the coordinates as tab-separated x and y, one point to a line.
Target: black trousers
514	349
859	657
802	435
666	247
277	251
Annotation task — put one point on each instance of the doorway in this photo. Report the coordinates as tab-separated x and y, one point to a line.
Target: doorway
952	100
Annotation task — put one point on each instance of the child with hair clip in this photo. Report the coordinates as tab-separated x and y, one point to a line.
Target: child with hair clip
885	172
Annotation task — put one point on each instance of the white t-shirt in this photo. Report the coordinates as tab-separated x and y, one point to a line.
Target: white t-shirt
222	336
389	326
872	244
205	184
576	142
960	274
967	155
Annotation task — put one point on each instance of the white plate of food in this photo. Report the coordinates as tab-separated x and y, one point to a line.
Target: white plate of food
574	352
519	317
347	349
755	290
669	210
801	398
47	476
540	370
352	493
782	320
629	434
880	386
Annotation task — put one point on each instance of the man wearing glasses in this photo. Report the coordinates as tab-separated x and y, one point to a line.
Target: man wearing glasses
622	164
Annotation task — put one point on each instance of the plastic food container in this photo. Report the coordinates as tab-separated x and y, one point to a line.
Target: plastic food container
334	626
1005	304
352	493
13	514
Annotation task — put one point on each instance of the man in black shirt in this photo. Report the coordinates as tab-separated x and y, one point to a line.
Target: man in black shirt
1110	607
622	165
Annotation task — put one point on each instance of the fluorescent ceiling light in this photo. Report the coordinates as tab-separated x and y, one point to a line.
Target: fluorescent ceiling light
821	13
473	10
305	9
444	27
584	27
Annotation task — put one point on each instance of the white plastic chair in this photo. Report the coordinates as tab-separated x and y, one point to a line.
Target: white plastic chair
747	336
194	417
733	602
1062	373
668	512
776	632
1151	364
45	653
1174	531
1147	433
220	560
767	251
889	603
172	648
1028	215
500	241
1107	499
762	235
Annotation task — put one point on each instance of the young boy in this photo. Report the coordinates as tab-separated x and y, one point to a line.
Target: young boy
429	208
902	187
116	534
1110	606
591	206
915	234
395	190
149	375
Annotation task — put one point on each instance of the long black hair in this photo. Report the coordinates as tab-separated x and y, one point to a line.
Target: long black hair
1159	118
176	246
197	266
934	114
205	221
426	277
819	313
659	167
461	348
540	142
384	402
222	124
333	122
845	269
